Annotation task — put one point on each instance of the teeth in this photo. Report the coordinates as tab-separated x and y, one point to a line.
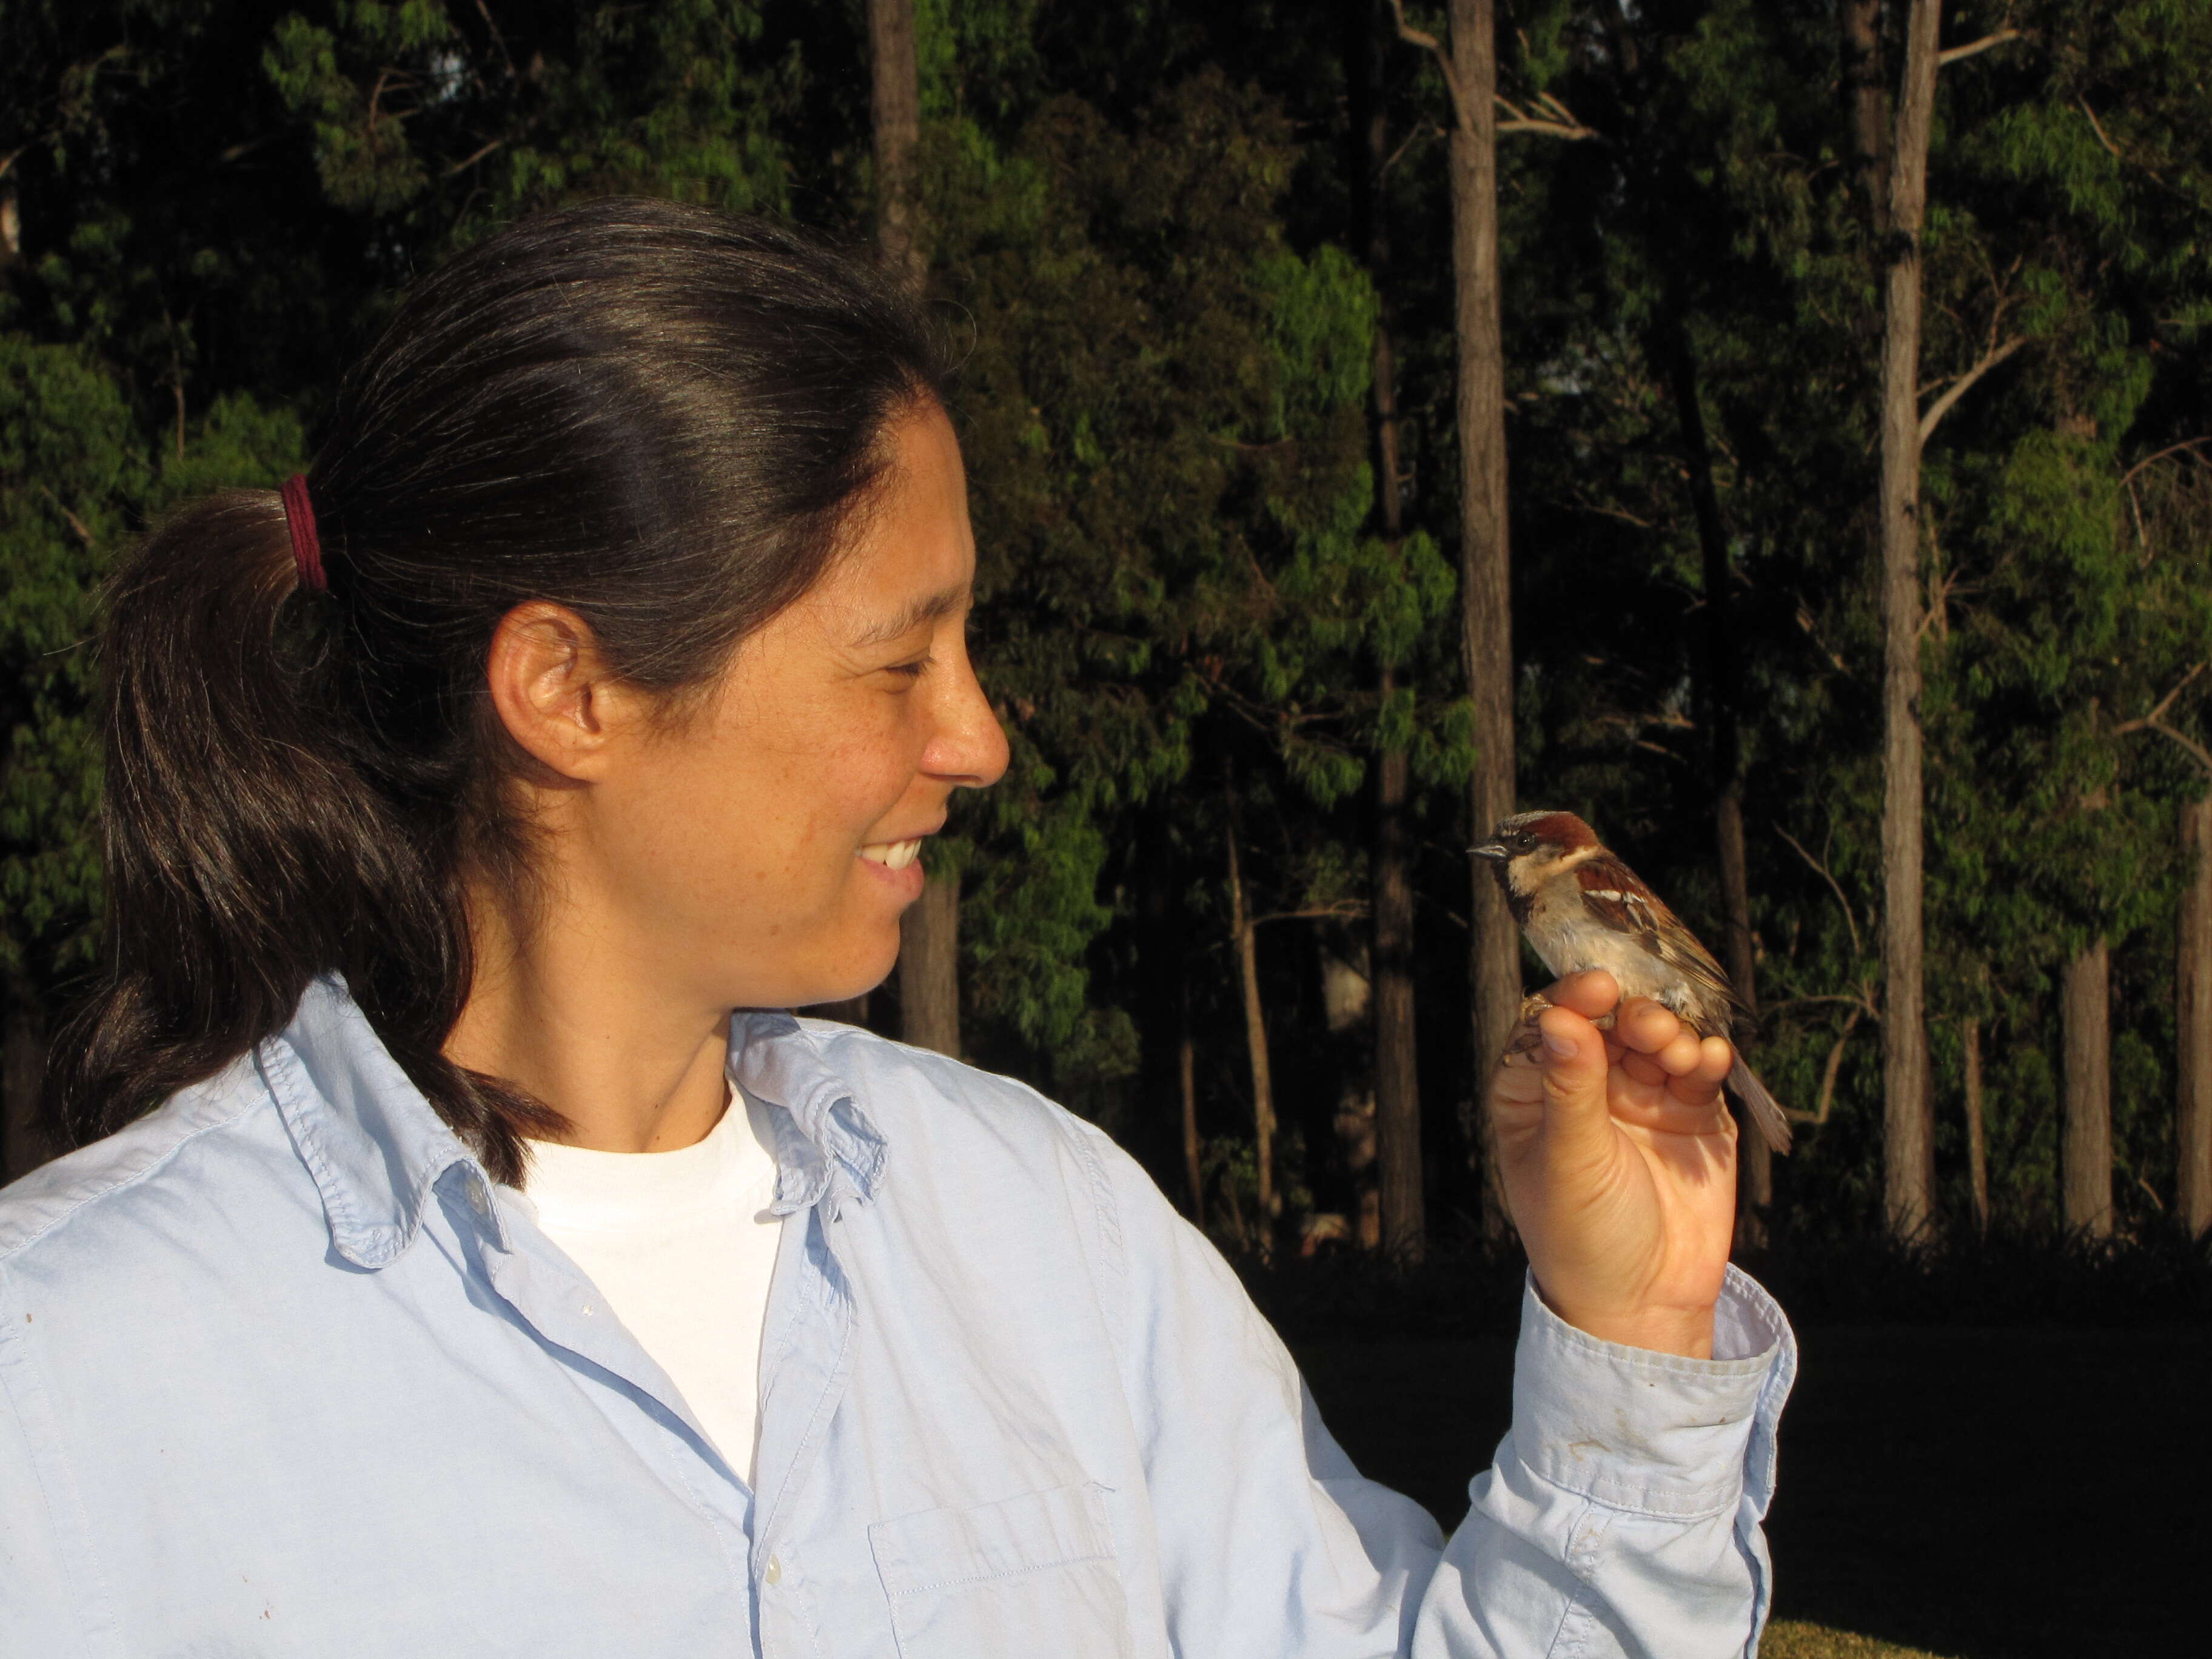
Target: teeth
892	855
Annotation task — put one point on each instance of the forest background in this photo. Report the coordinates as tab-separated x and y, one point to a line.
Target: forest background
1354	455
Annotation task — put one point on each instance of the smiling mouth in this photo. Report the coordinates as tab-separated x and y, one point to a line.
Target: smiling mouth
892	855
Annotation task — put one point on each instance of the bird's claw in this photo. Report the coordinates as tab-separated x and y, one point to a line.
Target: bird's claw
1526	1038
1521	1047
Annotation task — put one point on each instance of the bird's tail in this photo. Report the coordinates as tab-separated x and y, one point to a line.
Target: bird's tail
1764	1112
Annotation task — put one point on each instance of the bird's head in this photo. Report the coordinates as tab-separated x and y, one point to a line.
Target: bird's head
1528	848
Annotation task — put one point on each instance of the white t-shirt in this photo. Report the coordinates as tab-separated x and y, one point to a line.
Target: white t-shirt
682	1245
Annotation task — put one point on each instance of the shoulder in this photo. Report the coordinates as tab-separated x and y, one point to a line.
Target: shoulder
1603	876
202	1149
917	1096
952	1129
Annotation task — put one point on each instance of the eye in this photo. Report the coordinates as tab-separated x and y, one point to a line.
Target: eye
909	671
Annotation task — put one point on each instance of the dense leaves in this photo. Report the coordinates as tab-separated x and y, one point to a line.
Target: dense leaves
1141	221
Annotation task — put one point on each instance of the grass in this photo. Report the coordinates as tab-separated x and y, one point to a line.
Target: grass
1789	1639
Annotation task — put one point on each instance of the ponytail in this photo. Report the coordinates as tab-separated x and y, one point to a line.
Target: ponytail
245	853
656	416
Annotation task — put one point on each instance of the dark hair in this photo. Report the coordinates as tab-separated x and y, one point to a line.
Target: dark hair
659	417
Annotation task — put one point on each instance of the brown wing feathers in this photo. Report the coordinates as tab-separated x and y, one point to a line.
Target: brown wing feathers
1617	895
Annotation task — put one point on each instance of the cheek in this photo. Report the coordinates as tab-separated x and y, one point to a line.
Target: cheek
770	821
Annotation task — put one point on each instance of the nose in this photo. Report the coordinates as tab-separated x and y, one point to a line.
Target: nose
969	749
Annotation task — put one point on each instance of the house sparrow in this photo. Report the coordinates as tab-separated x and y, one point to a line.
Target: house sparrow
1582	908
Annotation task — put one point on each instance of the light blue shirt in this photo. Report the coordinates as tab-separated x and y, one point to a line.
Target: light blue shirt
281	1372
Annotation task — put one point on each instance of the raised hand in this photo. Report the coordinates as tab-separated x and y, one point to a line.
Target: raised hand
1618	1155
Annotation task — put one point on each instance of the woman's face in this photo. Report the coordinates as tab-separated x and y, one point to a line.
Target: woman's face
763	850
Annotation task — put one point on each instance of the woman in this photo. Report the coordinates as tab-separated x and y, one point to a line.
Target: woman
474	810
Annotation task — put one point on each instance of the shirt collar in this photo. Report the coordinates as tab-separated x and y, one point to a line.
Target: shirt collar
377	1150
374	1144
826	1147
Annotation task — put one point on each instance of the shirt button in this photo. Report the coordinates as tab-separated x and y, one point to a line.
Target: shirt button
773	1574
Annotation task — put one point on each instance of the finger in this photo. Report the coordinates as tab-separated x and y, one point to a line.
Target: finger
1683	1056
1716	1060
1576	1117
1641	1068
1701	1085
1589	994
1646	1025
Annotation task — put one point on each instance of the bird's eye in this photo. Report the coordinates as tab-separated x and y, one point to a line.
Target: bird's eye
1524	841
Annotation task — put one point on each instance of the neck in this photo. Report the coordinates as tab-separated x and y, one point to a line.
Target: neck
581	1014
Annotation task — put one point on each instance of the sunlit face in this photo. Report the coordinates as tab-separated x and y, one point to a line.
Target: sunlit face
767	847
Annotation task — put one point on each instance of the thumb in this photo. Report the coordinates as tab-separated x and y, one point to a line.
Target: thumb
1576	1117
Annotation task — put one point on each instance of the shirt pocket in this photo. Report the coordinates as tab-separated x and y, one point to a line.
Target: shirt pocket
1033	1575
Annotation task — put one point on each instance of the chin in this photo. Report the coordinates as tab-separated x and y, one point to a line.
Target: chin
840	983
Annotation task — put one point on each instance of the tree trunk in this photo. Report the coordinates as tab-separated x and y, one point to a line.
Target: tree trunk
1347	1000
894	108
1861	64
1402	1221
1256	1044
1486	639
929	931
1723	697
929	967
1397	1073
2193	984
851	1011
1755	1158
1193	1164
1908	1125
1977	1156
2085	1033
23	1140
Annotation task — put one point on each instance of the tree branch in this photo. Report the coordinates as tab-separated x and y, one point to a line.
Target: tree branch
465	164
75	523
2155	721
1959	387
499	40
1343	910
1421	130
1546	129
2120	156
1834	886
1435	48
2098	127
1952	54
1820	1115
1559	122
2190	444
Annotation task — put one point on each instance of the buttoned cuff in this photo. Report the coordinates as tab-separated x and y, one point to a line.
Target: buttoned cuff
1655	1434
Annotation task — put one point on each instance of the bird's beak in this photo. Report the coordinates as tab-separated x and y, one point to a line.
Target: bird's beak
1493	850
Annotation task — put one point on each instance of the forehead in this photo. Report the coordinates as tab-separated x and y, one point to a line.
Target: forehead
1564	828
911	543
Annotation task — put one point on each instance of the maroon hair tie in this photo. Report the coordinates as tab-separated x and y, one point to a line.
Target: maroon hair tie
306	547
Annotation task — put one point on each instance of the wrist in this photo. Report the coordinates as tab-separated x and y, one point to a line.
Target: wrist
1687	1332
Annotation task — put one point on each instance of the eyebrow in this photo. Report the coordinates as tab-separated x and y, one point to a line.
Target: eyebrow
929	610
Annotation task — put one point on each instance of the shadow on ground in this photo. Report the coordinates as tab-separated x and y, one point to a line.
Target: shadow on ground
1990	1494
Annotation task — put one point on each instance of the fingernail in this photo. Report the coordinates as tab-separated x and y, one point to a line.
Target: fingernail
1558	1044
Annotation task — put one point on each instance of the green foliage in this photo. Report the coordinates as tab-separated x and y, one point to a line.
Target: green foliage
76	480
70	473
1144	221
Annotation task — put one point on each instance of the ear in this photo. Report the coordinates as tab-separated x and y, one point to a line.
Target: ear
554	691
